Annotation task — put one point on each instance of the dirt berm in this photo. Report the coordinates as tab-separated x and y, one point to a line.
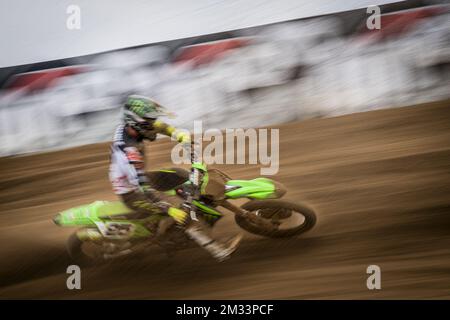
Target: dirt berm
379	181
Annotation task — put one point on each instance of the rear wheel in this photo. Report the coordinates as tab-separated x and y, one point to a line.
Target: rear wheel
88	252
276	218
75	249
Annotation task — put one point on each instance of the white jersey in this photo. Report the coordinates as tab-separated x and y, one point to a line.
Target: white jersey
126	171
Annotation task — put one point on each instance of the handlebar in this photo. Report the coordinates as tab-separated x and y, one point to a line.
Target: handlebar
194	178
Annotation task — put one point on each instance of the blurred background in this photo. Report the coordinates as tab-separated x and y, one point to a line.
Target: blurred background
316	67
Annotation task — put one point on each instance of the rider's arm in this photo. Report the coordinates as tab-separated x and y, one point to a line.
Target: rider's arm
199	170
168	130
183	138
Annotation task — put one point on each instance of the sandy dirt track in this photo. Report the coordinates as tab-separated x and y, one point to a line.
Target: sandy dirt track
379	181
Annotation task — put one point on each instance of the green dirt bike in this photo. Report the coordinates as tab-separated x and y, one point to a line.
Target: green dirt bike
106	232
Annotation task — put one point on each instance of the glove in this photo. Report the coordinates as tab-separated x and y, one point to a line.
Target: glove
178	215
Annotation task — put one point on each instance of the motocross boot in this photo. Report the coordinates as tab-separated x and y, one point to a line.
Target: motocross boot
219	251
196	231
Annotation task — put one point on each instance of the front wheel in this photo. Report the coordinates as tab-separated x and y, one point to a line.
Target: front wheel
276	218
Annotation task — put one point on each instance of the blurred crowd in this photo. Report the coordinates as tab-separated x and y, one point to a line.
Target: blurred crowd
260	76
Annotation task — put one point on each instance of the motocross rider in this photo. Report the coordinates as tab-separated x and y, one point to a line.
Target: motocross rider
130	182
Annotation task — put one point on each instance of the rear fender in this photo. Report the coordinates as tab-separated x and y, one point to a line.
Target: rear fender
90	214
92	218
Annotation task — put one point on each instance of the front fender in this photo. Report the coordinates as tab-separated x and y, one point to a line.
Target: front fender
259	188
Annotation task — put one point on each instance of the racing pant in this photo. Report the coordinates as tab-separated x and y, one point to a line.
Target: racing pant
145	204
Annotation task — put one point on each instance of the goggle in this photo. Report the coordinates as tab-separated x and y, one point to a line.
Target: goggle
147	123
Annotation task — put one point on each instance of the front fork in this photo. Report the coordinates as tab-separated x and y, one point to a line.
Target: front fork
248	215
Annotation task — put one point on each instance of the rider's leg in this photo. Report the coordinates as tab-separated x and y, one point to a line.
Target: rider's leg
195	230
153	202
140	204
218	250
